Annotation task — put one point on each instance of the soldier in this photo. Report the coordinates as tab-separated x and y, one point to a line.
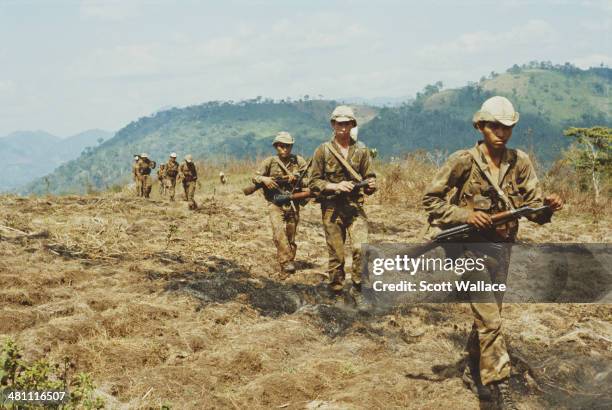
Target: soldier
488	178
188	174
171	172
284	218
161	172
137	185
336	166
143	171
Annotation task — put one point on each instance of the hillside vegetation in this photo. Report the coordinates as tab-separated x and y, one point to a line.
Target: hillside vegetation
165	306
549	98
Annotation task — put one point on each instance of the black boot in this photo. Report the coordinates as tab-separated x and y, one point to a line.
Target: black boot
504	395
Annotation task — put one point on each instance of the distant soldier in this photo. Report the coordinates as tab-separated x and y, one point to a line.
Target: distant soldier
222	178
161	172
172	170
337	166
143	171
137	185
486	179
188	174
280	172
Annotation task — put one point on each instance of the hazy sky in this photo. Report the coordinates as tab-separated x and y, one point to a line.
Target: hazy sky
67	66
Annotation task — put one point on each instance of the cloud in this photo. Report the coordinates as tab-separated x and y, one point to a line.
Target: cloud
285	44
109	9
533	35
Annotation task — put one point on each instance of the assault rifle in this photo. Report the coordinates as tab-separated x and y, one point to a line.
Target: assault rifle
252	188
462	232
500	218
284	197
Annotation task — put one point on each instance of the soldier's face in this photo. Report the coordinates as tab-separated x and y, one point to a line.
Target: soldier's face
496	135
283	150
342	129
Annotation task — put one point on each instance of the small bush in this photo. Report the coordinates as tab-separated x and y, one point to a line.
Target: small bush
17	374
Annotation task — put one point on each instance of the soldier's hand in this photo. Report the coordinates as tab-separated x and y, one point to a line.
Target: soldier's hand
291	179
372	183
480	220
554	201
344	186
269	183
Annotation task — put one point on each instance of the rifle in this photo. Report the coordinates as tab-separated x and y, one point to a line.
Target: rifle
252	188
462	232
284	197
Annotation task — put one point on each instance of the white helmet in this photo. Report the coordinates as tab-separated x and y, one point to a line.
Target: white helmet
496	109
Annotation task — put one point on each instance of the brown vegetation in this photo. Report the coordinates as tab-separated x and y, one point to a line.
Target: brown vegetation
167	306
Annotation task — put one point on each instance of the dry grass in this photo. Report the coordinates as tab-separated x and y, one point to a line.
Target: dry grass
167	306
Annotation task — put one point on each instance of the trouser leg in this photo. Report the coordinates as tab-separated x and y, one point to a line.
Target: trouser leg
358	233
493	358
280	221
335	236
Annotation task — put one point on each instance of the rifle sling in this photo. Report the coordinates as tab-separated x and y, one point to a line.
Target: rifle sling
494	184
283	167
343	162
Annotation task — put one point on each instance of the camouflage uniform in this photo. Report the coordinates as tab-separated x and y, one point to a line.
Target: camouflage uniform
138	186
189	177
143	172
284	218
468	173
343	214
160	179
172	170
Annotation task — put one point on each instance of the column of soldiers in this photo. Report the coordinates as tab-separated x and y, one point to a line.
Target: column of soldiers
168	174
341	165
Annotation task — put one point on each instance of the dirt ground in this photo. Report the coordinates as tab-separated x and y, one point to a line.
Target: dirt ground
167	306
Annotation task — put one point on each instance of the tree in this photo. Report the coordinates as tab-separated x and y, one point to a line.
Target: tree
593	154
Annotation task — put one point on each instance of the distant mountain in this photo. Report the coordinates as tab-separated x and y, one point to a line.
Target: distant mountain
28	155
549	98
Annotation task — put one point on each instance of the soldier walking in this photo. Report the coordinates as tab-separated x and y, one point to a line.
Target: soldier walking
188	174
337	166
137	185
172	170
161	172
487	178
280	172
143	171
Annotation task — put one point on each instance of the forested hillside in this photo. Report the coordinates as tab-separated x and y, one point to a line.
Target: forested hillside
549	99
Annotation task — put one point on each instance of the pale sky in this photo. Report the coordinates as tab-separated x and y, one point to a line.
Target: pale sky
68	65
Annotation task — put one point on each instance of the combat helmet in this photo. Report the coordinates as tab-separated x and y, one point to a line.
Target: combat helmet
343	113
496	109
283	137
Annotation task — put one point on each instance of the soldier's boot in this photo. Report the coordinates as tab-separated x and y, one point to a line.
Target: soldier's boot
289	268
361	302
504	395
336	284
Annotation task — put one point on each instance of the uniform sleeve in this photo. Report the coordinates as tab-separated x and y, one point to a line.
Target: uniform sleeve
366	170
317	180
262	171
530	189
302	164
453	174
138	169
